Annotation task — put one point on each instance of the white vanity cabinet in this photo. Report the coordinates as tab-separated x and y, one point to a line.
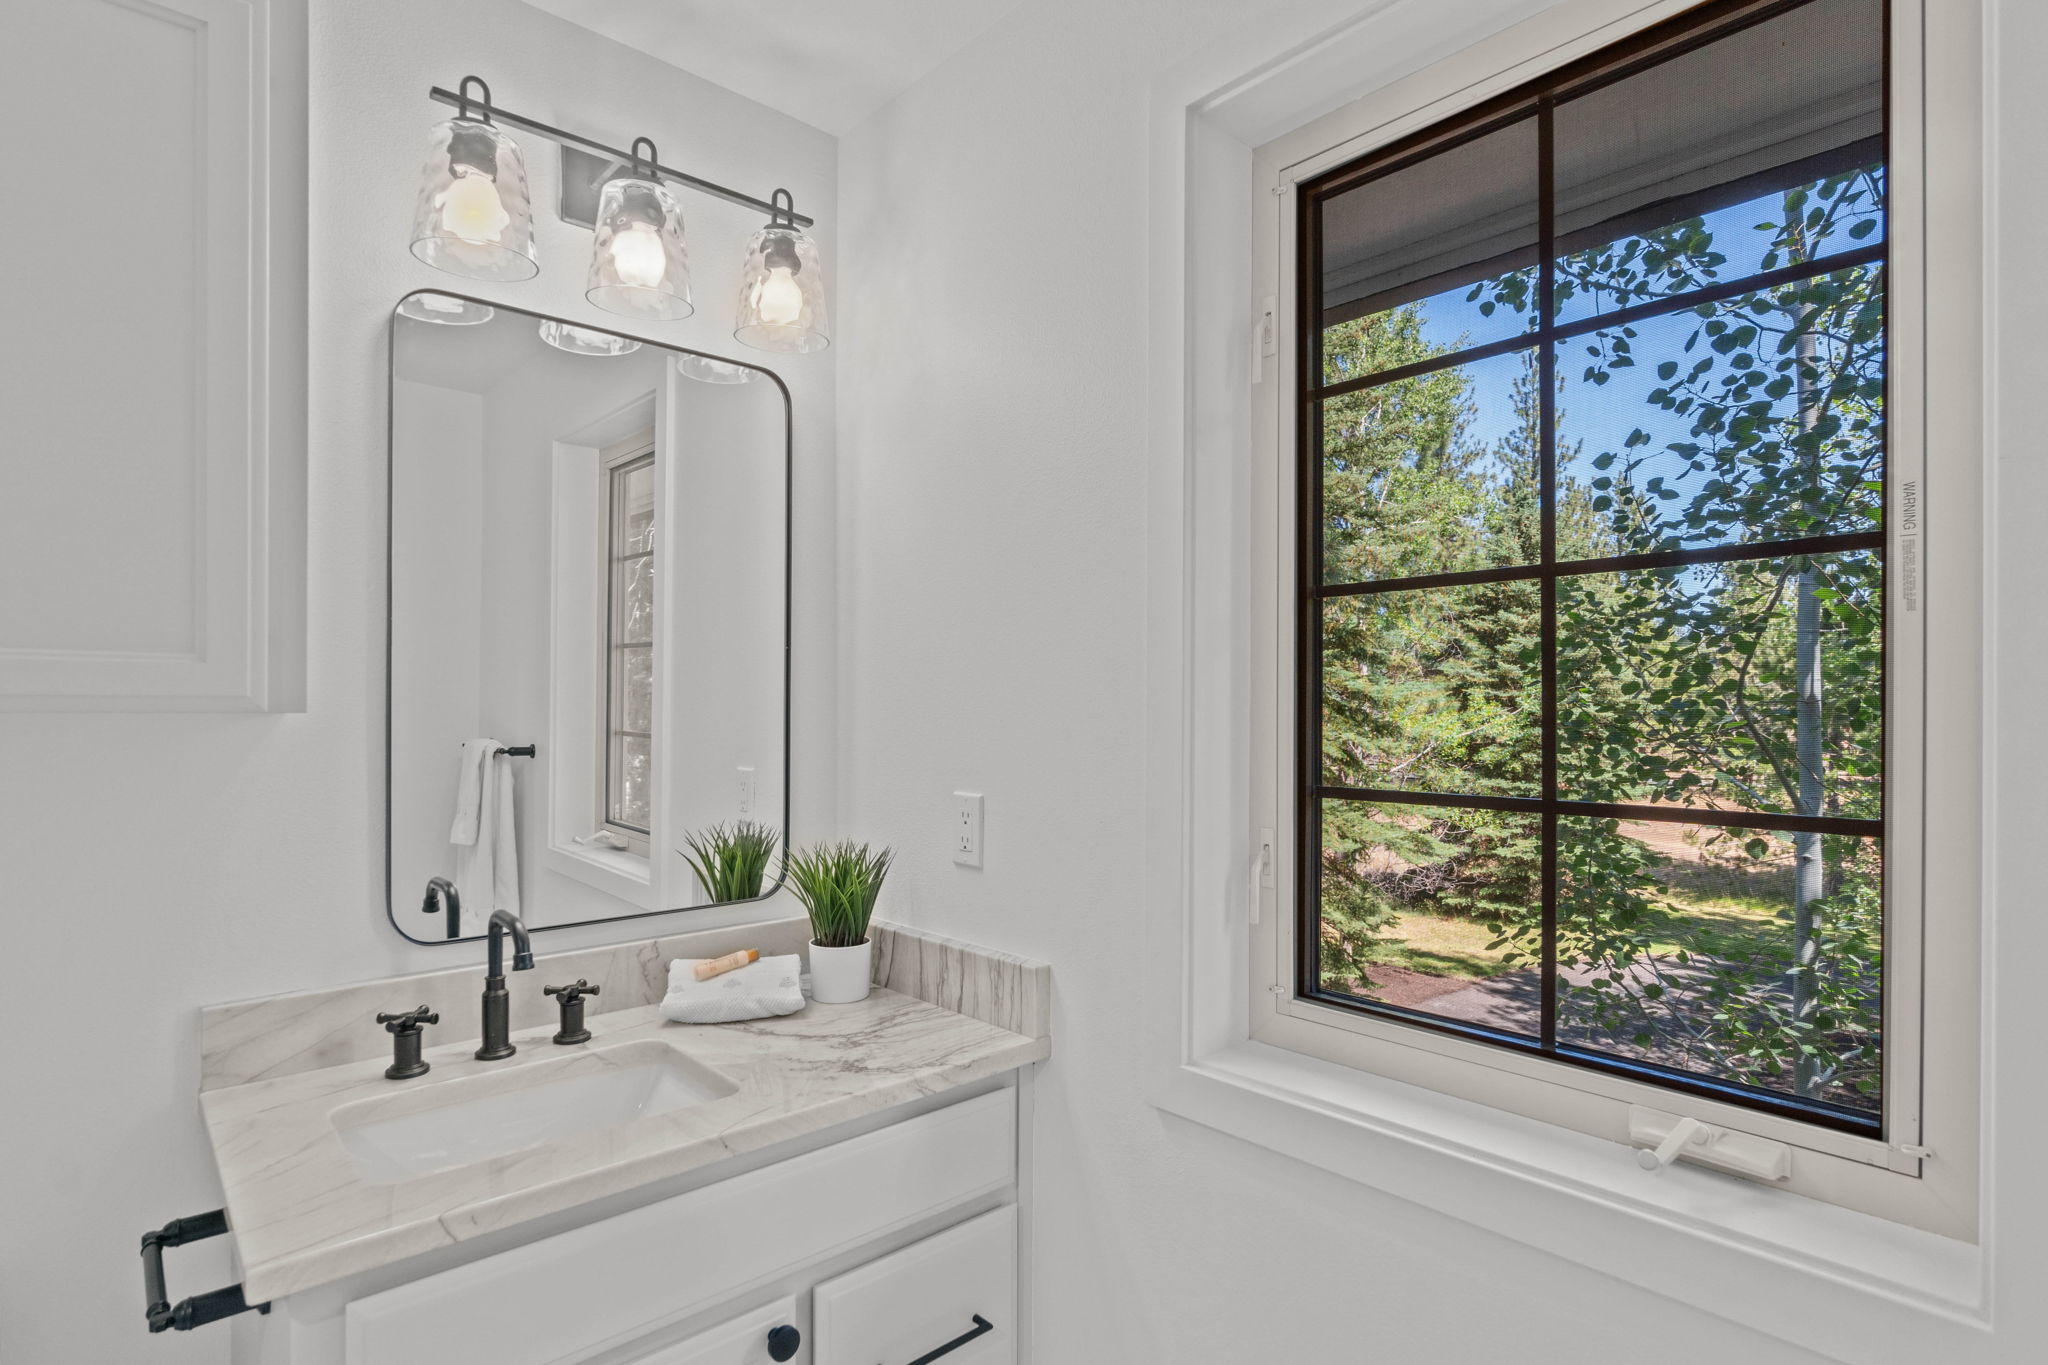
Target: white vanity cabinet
955	1286
878	1249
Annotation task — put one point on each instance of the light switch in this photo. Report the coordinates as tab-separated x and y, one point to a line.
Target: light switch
967	828
746	793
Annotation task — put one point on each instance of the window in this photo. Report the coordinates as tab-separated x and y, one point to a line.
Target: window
626	741
1597	756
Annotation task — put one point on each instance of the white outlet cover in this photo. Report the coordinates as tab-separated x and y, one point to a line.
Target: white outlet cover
967	828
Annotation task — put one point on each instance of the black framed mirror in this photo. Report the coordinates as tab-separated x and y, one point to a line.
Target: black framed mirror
588	620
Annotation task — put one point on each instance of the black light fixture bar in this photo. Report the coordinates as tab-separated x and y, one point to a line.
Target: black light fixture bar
624	159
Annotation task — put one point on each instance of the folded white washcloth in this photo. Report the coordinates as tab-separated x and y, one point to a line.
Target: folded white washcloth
759	990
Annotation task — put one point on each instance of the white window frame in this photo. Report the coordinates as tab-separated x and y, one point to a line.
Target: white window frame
637	449
1878	1176
1875	1255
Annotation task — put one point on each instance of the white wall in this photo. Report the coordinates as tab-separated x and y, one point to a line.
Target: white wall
993	638
153	863
438	622
725	657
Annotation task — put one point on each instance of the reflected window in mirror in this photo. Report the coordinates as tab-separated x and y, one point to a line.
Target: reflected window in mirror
629	545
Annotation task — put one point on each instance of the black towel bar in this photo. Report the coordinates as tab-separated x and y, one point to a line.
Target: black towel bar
200	1309
517	751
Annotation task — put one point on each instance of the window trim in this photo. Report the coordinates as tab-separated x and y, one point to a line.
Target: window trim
1888	1178
1847	1285
612	461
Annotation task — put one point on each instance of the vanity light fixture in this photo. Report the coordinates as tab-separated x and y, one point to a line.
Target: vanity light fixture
576	340
474	216
638	267
706	370
445	309
782	286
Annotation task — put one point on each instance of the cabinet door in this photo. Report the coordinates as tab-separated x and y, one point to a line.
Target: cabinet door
957	1287
755	1338
158	509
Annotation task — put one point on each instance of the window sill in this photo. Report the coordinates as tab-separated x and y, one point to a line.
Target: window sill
1845	1284
614	871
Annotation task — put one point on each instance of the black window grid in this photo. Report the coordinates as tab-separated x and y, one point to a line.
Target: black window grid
1538	101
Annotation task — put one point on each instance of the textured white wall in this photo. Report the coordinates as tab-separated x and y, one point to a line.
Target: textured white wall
151	864
993	487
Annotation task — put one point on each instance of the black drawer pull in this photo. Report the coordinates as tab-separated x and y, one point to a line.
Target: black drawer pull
200	1309
981	1326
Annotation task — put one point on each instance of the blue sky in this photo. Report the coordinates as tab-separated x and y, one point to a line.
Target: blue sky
1601	418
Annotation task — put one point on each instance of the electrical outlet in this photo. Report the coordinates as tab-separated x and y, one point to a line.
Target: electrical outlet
967	828
746	776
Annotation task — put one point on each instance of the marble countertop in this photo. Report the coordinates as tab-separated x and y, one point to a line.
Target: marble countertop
303	1215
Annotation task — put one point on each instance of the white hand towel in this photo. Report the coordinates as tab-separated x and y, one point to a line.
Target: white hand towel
485	833
477	755
759	990
505	842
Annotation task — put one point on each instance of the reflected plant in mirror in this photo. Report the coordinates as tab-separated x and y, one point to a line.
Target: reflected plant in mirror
732	863
574	513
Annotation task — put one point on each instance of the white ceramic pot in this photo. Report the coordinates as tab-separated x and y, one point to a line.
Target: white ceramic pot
840	976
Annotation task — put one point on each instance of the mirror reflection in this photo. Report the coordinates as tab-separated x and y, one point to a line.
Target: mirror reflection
589	621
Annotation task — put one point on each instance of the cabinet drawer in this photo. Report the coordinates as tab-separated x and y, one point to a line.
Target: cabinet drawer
605	1284
914	1302
742	1341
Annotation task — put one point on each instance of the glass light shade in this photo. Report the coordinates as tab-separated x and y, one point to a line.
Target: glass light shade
706	370
575	340
638	267
445	309
782	293
474	216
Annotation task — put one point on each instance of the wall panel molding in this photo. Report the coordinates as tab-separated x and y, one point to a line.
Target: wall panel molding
152	473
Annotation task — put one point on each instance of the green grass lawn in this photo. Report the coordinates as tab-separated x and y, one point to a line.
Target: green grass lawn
1444	945
1716	911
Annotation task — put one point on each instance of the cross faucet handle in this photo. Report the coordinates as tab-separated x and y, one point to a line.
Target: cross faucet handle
408	1022
406	1041
571	999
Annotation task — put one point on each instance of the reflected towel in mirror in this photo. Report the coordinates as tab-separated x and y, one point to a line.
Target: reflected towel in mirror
485	833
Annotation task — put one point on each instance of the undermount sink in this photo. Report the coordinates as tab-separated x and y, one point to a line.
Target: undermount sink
468	1119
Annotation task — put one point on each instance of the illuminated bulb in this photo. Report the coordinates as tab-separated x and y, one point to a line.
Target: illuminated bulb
781	300
638	257
472	210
